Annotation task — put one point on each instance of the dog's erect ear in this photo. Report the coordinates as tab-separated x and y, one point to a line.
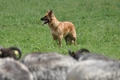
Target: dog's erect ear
17	52
50	13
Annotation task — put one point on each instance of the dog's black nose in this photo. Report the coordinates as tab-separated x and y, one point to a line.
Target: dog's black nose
41	19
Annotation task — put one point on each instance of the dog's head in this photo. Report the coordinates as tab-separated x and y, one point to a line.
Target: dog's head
48	17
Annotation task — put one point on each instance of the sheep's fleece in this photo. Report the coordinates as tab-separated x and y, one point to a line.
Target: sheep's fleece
11	69
95	70
48	66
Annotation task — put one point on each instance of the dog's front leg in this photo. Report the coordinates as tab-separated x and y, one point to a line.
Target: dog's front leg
60	40
55	38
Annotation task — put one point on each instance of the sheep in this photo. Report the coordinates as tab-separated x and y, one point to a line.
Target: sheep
93	66
11	69
48	66
12	52
84	54
95	70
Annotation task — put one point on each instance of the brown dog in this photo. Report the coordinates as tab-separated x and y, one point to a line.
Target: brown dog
60	29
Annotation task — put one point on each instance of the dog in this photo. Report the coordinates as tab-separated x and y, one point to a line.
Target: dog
59	29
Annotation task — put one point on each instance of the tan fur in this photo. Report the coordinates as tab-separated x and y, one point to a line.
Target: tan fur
59	29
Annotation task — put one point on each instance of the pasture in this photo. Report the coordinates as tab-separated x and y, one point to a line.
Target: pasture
97	24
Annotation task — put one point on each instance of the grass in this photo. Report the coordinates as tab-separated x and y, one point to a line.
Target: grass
97	24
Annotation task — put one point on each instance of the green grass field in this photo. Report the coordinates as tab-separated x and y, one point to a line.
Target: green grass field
97	24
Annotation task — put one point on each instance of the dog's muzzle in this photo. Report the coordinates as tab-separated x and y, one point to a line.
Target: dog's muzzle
45	20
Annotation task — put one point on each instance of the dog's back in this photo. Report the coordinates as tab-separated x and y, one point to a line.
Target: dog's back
69	29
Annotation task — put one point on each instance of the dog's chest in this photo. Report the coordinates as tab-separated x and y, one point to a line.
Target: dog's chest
56	31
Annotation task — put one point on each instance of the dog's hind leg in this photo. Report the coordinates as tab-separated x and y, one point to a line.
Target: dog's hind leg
71	39
68	39
74	40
